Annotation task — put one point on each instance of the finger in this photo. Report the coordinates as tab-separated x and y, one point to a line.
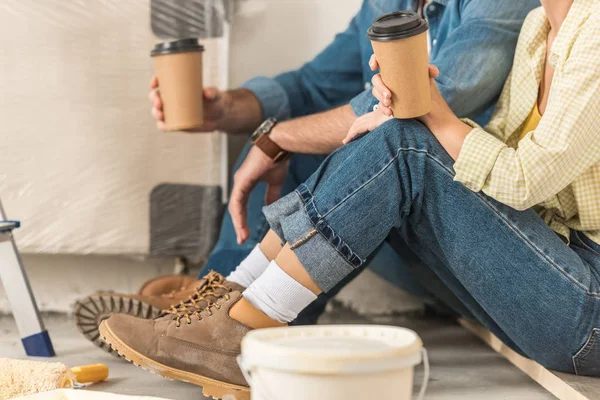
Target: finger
351	132
373	64
154	82
382	100
237	209
212	93
273	194
378	83
349	137
161	126
158	115
377	94
156	99
359	127
434	71
385	110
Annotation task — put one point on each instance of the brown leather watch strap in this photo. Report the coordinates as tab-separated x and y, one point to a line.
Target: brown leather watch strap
271	149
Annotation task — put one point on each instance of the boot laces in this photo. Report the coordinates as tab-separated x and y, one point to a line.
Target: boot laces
197	313
204	298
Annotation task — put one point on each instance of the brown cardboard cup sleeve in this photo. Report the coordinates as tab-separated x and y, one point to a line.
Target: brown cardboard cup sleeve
178	67
399	42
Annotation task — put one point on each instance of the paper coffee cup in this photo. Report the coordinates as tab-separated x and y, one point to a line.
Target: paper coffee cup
178	66
399	40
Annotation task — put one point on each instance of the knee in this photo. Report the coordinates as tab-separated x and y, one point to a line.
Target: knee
404	133
397	134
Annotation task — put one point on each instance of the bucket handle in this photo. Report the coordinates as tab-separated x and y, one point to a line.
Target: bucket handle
425	374
266	394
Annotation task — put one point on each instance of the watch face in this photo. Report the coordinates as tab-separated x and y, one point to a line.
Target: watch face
265	127
255	135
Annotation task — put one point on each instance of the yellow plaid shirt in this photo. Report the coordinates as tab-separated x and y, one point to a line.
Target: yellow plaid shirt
556	167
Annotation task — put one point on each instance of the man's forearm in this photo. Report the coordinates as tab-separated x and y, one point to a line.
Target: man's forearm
315	134
242	112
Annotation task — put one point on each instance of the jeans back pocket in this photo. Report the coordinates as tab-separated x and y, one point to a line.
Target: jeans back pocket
587	360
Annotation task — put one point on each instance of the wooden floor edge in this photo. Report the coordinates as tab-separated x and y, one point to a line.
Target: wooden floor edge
544	377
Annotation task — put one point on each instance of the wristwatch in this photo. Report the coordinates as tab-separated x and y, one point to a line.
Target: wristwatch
261	139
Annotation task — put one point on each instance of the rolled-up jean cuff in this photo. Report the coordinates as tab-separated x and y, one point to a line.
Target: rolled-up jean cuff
324	255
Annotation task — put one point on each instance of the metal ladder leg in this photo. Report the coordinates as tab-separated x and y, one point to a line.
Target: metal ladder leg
34	336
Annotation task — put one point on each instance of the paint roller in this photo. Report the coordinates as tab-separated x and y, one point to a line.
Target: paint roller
23	377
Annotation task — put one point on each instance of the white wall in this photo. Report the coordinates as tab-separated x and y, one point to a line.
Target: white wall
272	36
268	36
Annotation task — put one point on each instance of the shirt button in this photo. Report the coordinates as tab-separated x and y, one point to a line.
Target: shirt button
431	8
554	59
376	107
434	42
368	86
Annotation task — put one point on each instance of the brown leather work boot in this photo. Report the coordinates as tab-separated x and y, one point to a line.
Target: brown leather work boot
92	310
166	284
197	347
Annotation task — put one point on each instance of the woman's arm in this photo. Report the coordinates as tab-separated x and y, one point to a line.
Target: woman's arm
448	129
565	144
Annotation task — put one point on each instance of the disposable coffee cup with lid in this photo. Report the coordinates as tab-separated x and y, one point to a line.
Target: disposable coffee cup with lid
399	40
178	67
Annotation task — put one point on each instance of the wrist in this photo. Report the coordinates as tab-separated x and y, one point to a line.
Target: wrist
440	122
242	112
277	135
450	128
262	138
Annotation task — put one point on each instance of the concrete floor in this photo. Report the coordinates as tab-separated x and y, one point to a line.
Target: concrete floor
462	367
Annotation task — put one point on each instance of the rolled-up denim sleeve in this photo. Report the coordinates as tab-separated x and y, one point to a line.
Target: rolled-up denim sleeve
476	58
273	98
331	79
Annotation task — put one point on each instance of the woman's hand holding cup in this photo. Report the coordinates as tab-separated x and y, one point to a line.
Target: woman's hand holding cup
384	95
380	91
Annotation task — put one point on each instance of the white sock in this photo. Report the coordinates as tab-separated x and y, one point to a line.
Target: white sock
278	295
251	268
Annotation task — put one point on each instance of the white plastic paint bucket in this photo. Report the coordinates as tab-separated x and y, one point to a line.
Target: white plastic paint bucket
339	362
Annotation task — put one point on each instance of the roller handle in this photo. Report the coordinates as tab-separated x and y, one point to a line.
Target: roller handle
85	374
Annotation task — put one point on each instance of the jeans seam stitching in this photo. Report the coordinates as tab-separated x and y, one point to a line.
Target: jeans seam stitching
587	246
526	240
536	248
335	247
384	168
587	347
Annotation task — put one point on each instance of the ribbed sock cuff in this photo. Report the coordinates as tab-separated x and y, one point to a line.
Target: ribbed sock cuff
250	269
278	295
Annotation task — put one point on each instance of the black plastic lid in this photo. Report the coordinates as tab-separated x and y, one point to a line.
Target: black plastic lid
397	25
177	46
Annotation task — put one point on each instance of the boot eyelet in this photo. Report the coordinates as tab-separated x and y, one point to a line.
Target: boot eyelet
189	323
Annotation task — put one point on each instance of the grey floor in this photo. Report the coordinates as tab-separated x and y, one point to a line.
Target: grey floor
462	367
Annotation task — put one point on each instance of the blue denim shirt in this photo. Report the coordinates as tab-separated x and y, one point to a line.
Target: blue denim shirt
472	43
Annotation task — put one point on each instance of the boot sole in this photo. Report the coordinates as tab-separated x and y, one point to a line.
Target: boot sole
91	311
210	387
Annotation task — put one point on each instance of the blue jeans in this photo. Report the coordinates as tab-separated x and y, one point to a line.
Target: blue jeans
505	268
227	254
